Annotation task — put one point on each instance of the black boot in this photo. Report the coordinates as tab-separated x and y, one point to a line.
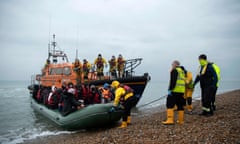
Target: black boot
207	114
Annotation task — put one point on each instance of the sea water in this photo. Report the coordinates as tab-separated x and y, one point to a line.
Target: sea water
19	122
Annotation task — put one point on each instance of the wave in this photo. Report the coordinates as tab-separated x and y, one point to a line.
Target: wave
21	135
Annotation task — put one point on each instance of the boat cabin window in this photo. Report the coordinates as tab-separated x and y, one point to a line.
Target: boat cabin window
56	71
67	70
60	71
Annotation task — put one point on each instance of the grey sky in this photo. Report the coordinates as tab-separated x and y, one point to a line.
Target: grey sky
159	31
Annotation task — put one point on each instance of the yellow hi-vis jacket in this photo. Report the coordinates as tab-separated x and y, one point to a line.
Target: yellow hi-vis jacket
119	93
180	83
217	70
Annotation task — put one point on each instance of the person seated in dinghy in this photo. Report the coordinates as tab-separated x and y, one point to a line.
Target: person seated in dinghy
68	101
94	95
105	93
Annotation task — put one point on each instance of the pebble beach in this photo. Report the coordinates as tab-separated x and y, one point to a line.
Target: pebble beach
146	128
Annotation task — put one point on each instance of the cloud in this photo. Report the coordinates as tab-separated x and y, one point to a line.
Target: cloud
159	31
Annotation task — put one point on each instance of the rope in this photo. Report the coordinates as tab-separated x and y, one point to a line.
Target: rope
146	104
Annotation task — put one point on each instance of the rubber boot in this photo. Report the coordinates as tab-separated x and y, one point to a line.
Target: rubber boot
170	117
123	125
190	108
185	107
129	120
180	117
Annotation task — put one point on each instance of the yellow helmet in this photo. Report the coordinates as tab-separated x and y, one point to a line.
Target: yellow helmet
115	84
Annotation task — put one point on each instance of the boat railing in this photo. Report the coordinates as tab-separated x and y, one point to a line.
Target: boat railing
130	66
35	79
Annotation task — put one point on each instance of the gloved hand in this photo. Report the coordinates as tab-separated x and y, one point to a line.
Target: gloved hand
112	109
120	106
191	85
169	92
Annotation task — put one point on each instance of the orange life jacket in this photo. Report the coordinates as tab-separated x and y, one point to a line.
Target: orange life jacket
105	93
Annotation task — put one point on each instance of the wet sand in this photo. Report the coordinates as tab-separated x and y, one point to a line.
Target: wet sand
146	127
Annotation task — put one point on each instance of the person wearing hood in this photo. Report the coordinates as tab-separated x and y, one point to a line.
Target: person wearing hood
68	101
124	99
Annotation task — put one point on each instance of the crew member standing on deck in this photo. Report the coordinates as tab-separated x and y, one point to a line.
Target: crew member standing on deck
86	68
99	62
124	97
208	82
113	67
176	92
120	65
77	67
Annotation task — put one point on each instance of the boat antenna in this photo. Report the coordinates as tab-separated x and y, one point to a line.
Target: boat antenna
54	44
76	53
49	35
49	53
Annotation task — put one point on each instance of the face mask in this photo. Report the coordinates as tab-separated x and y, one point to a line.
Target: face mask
202	62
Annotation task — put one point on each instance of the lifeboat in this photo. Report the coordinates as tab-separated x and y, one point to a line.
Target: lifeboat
58	71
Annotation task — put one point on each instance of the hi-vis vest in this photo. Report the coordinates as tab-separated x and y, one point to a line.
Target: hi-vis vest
217	70
180	83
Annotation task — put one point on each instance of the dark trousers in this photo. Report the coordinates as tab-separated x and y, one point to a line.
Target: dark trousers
176	99
214	98
128	105
207	98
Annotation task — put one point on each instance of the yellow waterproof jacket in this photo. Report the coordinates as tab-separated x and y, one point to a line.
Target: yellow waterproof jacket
77	67
189	80
217	70
119	93
101	61
120	64
113	65
189	85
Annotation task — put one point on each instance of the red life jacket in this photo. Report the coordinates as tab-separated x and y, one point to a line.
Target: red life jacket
85	91
51	99
96	98
76	94
38	95
128	89
85	68
113	62
120	61
99	62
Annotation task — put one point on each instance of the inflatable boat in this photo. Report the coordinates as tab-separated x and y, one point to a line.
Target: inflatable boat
91	116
